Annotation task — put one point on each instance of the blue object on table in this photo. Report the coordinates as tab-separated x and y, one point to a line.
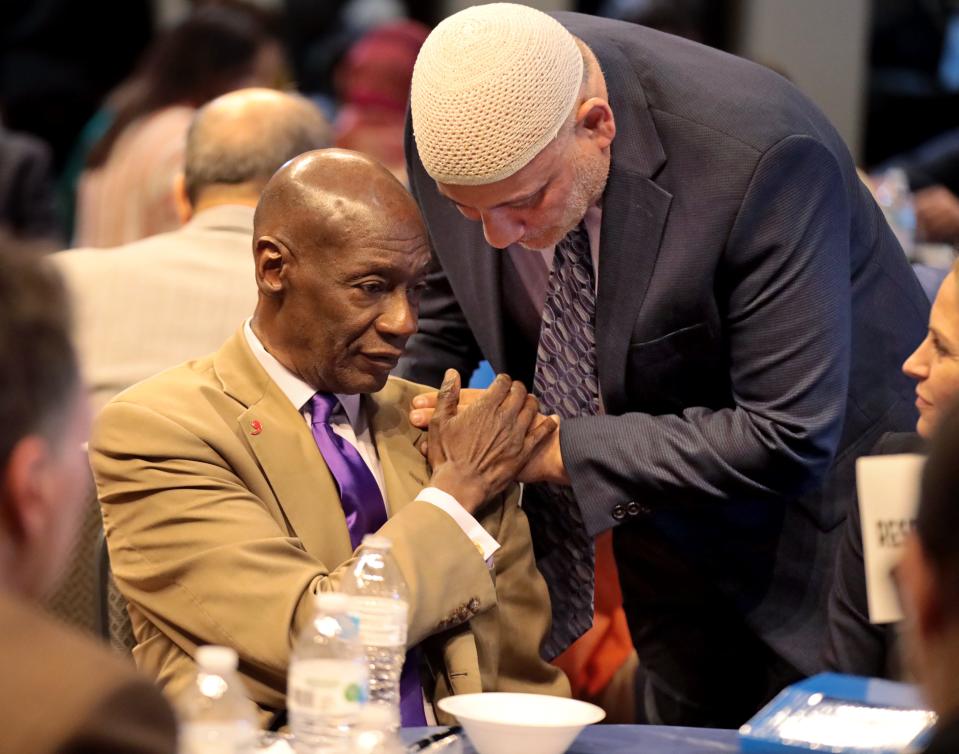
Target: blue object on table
630	739
840	713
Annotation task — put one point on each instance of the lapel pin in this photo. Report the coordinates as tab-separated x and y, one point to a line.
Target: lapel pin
256	427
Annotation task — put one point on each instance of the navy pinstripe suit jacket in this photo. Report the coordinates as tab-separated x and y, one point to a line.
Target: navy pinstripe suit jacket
753	310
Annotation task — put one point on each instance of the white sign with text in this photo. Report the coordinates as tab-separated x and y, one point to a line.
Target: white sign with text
888	488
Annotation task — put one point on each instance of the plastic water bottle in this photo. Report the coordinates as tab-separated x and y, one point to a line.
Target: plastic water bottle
381	604
214	713
375	731
895	199
326	685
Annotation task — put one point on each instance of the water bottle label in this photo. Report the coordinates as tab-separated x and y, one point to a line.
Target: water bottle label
330	687
216	738
382	621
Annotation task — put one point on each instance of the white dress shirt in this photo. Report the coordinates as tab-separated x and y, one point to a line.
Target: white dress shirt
349	422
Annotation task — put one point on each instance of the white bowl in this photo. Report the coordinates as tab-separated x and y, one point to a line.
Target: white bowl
502	723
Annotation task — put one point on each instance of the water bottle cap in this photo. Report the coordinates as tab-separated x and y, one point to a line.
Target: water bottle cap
332	602
219	660
377	541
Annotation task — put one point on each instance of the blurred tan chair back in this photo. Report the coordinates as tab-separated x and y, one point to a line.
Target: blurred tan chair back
87	598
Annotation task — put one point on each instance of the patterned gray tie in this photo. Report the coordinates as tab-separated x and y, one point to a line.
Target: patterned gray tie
565	383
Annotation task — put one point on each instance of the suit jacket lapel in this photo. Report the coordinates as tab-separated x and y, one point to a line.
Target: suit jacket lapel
483	293
304	487
634	217
405	472
285	450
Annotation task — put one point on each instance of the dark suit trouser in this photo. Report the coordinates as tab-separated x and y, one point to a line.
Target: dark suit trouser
703	666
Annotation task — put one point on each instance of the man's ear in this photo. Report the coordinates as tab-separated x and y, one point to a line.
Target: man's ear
25	492
595	119
273	260
184	207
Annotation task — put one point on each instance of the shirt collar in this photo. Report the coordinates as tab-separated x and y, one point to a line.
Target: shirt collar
296	390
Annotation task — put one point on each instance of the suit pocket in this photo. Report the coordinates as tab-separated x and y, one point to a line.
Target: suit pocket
674	371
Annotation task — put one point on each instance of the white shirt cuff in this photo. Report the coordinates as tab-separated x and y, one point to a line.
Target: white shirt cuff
472	528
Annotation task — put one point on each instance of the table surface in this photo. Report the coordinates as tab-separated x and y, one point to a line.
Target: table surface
632	739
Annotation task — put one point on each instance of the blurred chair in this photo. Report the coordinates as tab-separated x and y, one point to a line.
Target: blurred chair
76	600
88	598
114	619
372	86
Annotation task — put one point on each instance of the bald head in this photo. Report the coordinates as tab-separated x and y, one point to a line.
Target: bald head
335	198
237	141
341	258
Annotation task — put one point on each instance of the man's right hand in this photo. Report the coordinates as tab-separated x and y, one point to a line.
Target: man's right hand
477	450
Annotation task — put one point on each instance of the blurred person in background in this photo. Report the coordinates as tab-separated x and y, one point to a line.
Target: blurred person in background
928	577
372	88
161	300
60	58
27	200
319	35
126	190
933	173
705	21
853	644
937	214
60	692
913	76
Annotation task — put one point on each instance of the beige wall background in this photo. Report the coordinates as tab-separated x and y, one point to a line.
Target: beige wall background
823	47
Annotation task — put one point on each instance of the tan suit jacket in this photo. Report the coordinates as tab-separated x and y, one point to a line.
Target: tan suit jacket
61	692
155	303
223	521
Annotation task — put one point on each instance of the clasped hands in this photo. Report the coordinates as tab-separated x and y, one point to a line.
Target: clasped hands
480	441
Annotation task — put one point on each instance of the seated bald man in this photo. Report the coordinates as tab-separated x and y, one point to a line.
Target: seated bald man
222	514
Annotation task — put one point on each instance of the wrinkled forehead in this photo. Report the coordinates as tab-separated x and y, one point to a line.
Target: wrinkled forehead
338	221
383	241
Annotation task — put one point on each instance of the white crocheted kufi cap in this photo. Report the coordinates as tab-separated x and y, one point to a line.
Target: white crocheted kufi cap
493	85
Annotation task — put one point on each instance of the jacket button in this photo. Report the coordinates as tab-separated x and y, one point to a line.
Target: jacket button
619	512
632	508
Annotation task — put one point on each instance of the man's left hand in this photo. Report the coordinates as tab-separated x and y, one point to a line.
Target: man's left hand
546	464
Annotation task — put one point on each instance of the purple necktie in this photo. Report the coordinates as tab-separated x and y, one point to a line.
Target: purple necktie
565	383
365	513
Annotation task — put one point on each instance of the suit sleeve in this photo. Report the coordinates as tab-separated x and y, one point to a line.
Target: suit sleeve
444	339
522	613
783	284
208	557
853	644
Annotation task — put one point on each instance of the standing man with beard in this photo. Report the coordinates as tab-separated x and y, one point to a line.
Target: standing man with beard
671	247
